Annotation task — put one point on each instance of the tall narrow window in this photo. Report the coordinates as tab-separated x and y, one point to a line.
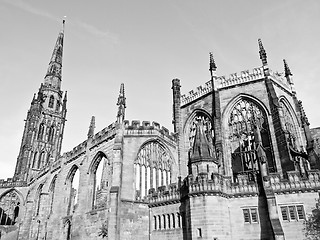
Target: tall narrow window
9	208
51	134
101	182
51	193
41	131
74	189
58	106
51	101
38	200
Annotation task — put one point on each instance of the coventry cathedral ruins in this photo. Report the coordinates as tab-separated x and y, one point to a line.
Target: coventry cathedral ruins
242	163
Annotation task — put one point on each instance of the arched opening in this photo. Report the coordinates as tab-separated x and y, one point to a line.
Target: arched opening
73	182
10	204
38	199
51	134
244	117
101	181
51	193
41	131
51	101
153	168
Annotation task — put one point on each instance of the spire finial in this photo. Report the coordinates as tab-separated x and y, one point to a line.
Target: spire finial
63	23
121	105
212	64
262	53
92	127
55	65
287	70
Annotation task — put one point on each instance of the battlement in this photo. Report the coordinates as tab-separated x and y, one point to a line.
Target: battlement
164	195
236	79
10	183
223	82
195	94
136	128
295	183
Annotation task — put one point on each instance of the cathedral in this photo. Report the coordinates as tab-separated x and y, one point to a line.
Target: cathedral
242	163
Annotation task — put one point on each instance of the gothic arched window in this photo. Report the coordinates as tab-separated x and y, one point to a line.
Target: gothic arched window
9	208
153	168
38	200
51	134
289	126
242	121
101	174
51	192
73	182
207	124
51	101
41	131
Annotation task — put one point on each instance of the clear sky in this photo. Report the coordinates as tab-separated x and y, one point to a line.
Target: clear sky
144	44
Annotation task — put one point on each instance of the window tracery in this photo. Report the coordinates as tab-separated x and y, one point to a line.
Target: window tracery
153	168
243	119
289	126
207	126
9	208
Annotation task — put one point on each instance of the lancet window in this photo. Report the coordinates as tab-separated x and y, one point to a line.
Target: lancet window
153	168
73	183
244	118
289	126
9	208
101	182
51	134
207	125
41	131
51	101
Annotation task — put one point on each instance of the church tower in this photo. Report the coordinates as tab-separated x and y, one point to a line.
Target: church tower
44	126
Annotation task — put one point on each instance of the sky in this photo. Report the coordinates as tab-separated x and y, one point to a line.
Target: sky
144	44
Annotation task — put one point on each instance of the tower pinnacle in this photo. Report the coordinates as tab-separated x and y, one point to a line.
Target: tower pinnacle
262	53
92	127
212	65
121	105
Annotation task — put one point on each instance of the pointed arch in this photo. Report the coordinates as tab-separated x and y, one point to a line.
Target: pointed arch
72	182
239	119
38	199
153	167
190	124
51	101
51	134
100	177
52	192
10	204
41	131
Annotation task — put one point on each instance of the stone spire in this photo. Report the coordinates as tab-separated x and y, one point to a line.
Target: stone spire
53	75
92	127
121	105
212	65
262	53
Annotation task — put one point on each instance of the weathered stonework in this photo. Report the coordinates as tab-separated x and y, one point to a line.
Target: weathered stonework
241	164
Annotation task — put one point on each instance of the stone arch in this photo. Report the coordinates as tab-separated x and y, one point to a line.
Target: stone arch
290	123
239	119
99	180
52	192
190	126
153	167
72	191
10	207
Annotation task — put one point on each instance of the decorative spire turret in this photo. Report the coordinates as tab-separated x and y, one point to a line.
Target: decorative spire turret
53	75
212	65
121	105
287	71
92	127
262	53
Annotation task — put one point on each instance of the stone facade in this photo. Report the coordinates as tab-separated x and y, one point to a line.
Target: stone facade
242	163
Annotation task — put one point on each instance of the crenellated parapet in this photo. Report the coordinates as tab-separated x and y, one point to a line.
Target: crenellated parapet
10	183
195	94
164	195
146	128
295	183
237	79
